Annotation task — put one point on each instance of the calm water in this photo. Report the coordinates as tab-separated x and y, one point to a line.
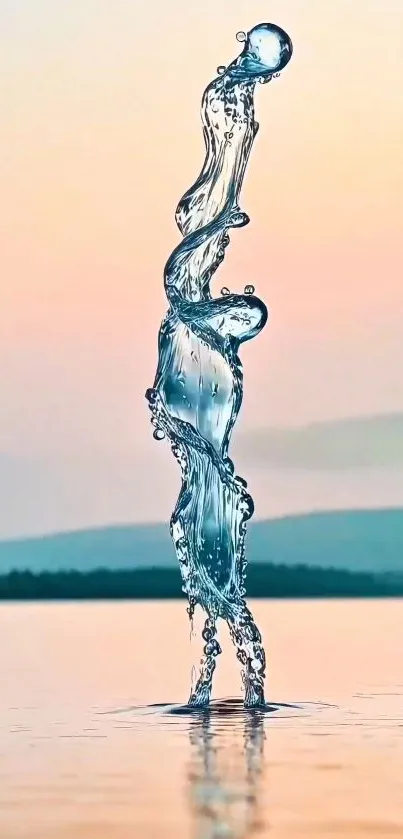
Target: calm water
92	744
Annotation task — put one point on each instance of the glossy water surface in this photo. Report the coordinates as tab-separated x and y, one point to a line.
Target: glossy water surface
95	745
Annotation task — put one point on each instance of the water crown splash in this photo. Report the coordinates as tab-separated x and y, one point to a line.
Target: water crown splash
198	387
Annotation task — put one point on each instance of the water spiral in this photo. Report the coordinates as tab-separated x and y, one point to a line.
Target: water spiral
198	387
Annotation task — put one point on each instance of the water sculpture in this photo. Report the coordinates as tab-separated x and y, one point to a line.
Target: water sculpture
198	387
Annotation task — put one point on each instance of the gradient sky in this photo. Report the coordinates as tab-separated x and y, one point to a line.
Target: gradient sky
100	136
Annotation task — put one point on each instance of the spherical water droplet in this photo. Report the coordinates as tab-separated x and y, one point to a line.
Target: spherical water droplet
249	289
151	394
225	291
270	46
221	69
241	36
212	647
159	434
239	219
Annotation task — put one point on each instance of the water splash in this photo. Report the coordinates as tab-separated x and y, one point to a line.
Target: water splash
198	387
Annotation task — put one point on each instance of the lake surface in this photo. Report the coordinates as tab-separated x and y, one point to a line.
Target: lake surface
93	744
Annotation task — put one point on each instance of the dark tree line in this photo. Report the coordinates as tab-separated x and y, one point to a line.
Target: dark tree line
263	580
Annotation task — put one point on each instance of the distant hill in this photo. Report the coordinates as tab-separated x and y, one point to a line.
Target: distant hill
329	465
358	541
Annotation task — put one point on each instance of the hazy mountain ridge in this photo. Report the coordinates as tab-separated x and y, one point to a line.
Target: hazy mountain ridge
329	465
357	443
360	540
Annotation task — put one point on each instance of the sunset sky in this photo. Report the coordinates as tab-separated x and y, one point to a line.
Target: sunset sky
100	136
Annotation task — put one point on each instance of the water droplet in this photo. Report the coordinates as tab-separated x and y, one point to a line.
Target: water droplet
249	289
221	69
239	219
212	647
241	36
151	394
225	291
158	434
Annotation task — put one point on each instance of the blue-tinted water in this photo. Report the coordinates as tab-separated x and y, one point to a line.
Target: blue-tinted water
198	387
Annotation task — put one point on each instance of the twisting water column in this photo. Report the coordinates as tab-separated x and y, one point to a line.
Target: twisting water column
197	391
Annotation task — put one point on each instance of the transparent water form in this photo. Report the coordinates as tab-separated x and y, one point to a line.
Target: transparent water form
198	388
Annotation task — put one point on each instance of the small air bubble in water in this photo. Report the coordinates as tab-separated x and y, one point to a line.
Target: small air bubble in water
249	289
241	36
158	434
225	291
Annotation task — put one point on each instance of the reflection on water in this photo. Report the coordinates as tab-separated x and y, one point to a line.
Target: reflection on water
88	752
225	771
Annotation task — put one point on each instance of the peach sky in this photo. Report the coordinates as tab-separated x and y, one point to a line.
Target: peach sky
100	136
